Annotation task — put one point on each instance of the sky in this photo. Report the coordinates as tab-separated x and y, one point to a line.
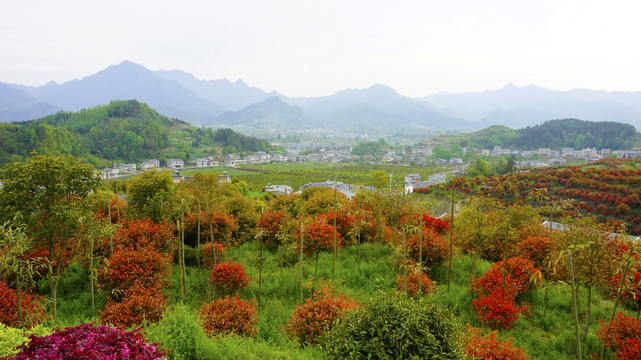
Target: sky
315	48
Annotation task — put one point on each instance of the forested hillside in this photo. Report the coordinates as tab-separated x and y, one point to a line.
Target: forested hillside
125	130
556	134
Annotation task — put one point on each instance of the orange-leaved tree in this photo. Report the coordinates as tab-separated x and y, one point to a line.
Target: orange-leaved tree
320	311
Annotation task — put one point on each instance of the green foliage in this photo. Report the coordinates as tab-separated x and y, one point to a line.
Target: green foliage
578	134
180	332
151	195
124	130
234	142
374	148
10	338
555	134
393	326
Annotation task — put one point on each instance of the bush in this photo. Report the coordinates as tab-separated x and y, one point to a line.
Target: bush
143	233
271	222
318	236
521	270
535	248
213	253
427	285
33	310
87	341
497	310
179	332
435	249
492	280
229	277
10	338
128	266
394	326
490	346
139	304
312	319
229	315
616	332
630	349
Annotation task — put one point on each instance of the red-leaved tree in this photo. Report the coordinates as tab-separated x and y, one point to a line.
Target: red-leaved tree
138	304
229	276
615	333
271	223
229	315
143	233
490	346
213	253
498	310
320	311
434	248
126	266
318	236
33	310
427	285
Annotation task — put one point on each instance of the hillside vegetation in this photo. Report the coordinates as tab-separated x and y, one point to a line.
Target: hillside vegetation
124	130
555	134
208	272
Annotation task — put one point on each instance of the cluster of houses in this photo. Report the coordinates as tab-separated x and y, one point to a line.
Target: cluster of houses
341	153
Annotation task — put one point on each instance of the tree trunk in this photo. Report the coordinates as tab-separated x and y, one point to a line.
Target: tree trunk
449	273
93	301
576	310
587	313
420	258
260	268
19	296
301	263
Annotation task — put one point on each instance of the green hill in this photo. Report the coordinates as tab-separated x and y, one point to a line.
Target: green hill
124	130
555	134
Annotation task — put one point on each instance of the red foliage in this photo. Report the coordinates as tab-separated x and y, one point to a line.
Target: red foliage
310	320
143	233
427	285
435	248
222	227
138	304
631	292
630	349
535	248
229	277
497	310
520	269
129	265
271	223
89	342
33	310
490	346
614	333
213	254
346	224
229	315
318	236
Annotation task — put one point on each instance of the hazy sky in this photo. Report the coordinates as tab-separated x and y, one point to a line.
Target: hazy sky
312	48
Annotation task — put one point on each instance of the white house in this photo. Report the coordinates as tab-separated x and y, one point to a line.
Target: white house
175	164
279	189
150	164
201	162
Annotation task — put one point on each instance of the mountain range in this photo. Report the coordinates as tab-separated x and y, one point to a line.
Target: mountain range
219	103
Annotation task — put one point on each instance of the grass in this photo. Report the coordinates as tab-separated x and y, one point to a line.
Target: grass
361	271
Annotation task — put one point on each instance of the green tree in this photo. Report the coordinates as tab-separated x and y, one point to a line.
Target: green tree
15	262
49	193
151	195
394	326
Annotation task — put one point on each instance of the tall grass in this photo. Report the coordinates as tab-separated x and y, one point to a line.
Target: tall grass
361	271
